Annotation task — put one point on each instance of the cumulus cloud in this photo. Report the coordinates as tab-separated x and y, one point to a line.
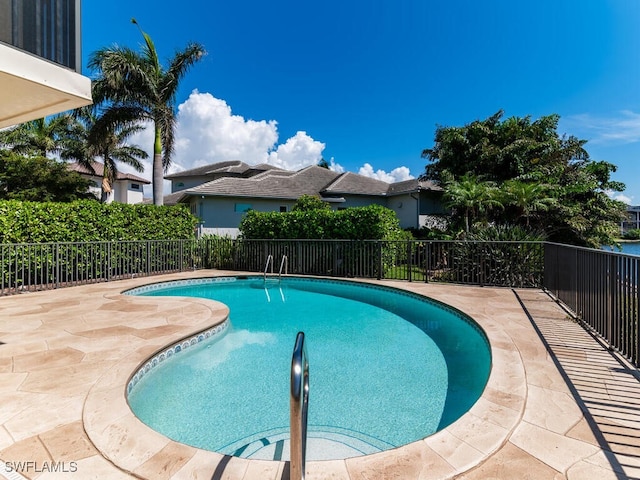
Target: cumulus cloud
396	175
207	132
620	197
336	167
621	128
297	152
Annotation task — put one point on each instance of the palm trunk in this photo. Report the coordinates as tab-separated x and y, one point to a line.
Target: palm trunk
158	170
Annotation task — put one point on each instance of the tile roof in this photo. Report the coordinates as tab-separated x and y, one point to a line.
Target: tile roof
236	167
413	185
98	169
270	184
273	182
354	184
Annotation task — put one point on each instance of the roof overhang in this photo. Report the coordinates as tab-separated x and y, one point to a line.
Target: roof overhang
32	88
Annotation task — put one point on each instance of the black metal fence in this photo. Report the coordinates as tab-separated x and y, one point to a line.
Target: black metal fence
600	287
43	266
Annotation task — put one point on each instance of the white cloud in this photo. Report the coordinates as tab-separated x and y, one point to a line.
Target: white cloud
623	128
336	167
207	132
297	152
396	175
620	197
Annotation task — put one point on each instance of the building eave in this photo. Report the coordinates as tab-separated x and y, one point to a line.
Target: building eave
32	88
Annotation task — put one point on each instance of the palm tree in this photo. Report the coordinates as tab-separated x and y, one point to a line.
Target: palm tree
138	88
527	197
38	137
471	196
94	138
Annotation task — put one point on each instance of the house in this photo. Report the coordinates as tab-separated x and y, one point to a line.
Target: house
220	194
127	188
40	68
632	222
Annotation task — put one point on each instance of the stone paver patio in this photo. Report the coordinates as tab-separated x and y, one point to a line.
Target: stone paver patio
557	405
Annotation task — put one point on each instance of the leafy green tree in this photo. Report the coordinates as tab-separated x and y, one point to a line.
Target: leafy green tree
576	210
135	86
39	179
501	150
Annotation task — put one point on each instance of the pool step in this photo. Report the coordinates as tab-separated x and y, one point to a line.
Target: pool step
327	443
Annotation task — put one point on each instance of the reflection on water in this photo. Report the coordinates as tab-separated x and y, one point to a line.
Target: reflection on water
219	352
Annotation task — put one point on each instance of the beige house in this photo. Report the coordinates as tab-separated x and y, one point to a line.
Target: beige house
40	67
126	189
221	193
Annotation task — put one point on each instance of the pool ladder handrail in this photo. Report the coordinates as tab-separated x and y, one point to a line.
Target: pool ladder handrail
266	267
298	407
283	263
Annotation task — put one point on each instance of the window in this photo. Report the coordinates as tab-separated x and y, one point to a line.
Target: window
283	208
135	186
242	207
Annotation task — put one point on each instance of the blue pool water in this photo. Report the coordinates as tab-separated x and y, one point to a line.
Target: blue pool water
386	368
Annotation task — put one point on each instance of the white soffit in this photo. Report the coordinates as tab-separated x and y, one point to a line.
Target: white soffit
32	88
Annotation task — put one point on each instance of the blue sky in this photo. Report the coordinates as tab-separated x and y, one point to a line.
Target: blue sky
365	83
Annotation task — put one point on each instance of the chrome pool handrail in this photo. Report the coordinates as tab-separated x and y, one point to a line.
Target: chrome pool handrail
299	405
284	263
266	267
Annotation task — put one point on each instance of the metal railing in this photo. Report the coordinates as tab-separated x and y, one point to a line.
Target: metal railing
284	265
298	408
266	266
44	266
518	264
601	289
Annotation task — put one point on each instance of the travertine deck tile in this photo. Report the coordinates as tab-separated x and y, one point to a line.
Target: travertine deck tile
65	357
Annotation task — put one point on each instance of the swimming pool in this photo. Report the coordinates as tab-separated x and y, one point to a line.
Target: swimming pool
387	368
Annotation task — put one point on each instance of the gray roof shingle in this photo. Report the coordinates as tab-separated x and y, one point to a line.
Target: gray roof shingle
273	182
98	169
270	184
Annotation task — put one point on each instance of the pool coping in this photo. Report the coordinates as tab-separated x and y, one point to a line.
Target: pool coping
137	449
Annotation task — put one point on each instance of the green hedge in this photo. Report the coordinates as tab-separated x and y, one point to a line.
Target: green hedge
87	221
373	222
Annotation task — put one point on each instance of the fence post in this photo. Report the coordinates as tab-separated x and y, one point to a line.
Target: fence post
380	266
409	260
148	257
57	260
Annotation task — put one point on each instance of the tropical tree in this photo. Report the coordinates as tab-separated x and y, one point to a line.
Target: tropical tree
527	197
109	140
471	196
521	156
135	86
40	137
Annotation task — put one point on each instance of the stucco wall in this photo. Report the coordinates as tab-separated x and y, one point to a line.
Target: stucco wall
221	212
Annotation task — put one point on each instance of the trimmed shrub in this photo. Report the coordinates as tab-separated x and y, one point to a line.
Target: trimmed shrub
86	221
373	222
